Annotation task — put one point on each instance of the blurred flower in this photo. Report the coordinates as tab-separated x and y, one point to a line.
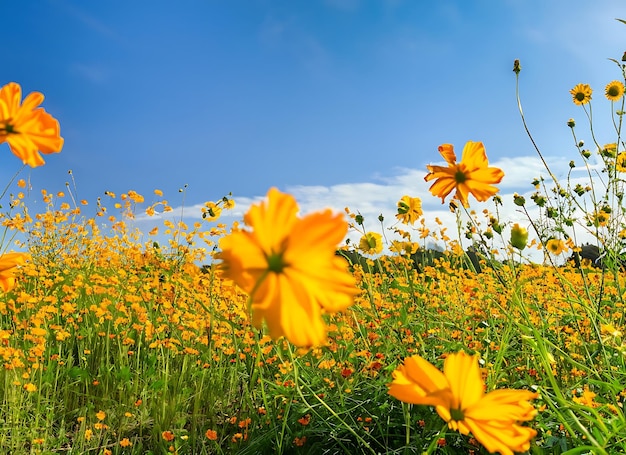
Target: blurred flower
168	436
28	129
403	247
519	236
614	91
581	94
472	175
586	398
30	387
211	435
299	441
611	330
371	243
409	209
288	266
457	394
8	266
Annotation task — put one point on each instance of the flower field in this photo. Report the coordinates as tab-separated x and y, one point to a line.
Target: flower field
288	340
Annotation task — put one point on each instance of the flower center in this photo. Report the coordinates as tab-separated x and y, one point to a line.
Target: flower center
275	262
457	415
613	91
580	96
8	129
460	177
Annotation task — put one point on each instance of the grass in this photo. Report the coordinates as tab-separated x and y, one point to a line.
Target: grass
112	346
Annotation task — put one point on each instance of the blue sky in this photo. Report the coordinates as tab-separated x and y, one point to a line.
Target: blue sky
341	102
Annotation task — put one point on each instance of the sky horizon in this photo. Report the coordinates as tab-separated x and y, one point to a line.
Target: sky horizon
341	102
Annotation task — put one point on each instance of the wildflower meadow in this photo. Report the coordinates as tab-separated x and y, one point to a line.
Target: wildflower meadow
274	335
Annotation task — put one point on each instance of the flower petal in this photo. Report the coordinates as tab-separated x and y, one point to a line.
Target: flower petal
463	375
417	381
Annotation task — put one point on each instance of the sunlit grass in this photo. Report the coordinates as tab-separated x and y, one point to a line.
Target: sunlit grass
109	344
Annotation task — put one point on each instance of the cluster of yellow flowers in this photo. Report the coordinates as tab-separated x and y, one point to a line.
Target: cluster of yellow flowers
288	267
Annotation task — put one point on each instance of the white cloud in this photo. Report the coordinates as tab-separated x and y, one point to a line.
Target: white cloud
372	199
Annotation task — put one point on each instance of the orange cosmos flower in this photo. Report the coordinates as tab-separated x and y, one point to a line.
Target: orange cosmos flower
288	266
457	394
168	436
27	128
471	175
8	266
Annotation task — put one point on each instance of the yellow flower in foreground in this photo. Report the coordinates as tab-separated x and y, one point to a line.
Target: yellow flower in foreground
581	94
409	209
457	394
27	128
471	175
371	243
8	266
288	266
614	91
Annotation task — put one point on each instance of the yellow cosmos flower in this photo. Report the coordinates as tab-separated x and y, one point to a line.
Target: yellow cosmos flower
288	266
614	90
620	162
556	246
8	266
472	175
581	94
409	209
457	394
27	128
371	243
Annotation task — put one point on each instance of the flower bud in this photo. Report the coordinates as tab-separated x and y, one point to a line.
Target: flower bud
519	200
571	123
517	67
519	237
